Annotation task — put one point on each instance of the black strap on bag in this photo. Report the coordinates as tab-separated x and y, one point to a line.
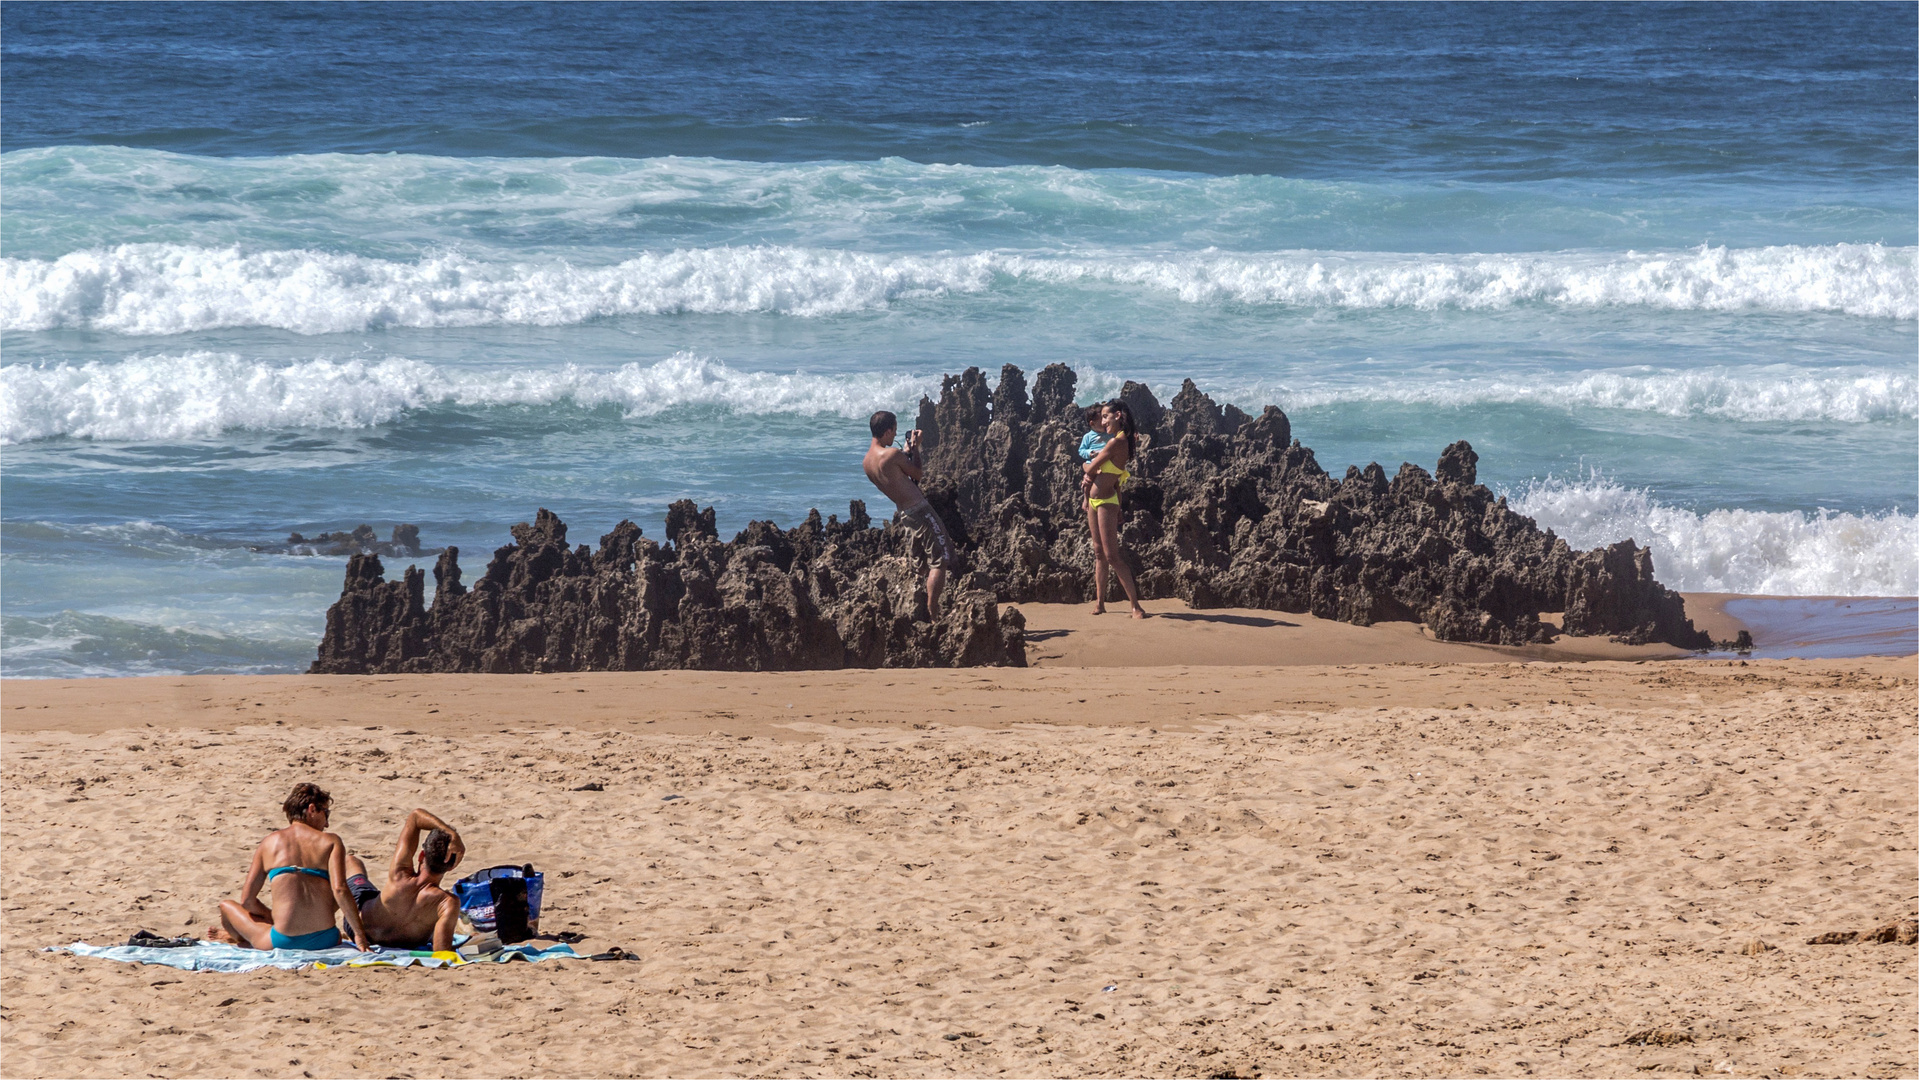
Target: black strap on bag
510	915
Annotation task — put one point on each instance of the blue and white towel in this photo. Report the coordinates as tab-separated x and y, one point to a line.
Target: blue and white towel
213	956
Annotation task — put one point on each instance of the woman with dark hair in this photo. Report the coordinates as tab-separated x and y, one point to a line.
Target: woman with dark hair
306	865
1106	472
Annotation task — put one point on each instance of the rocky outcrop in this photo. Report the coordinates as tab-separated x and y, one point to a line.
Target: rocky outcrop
824	595
1227	509
404	543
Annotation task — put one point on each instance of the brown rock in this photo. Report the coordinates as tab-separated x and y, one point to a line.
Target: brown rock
1836	937
1228	510
1899	931
1225	510
404	543
825	595
1658	1037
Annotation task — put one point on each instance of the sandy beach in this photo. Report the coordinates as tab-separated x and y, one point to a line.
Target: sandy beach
1461	865
718	379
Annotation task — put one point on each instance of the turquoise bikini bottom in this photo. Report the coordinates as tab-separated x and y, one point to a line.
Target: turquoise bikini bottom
319	939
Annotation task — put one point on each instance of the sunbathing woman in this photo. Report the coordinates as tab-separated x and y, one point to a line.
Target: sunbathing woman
1107	471
307	868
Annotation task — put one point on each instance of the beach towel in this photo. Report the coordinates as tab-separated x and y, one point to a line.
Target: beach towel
213	956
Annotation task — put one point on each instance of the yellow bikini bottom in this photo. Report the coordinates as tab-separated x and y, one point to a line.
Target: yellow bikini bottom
1112	500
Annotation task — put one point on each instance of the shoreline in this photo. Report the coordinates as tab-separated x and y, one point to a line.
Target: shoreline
1079	664
1816	627
1067	635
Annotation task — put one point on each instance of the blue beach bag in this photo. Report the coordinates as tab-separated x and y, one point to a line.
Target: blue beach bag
503	900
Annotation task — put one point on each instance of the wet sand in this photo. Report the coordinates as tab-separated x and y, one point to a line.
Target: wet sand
1813	627
1070	635
1447	869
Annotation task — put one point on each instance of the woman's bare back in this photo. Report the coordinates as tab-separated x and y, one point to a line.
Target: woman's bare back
302	902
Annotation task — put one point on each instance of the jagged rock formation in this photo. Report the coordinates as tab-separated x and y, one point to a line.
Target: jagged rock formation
1229	510
825	595
1226	510
405	543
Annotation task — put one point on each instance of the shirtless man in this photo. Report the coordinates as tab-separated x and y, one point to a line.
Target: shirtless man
413	908
897	473
307	868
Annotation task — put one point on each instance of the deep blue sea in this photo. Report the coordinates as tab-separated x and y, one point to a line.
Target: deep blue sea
267	268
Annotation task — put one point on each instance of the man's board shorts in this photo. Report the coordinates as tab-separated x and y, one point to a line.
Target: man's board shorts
364	891
922	517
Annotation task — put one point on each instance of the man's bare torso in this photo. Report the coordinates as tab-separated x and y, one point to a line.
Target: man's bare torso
405	913
882	467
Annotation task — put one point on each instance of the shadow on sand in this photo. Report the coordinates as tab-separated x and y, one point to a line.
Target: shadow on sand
1235	620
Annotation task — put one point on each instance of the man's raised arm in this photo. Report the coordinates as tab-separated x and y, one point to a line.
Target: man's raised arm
417	822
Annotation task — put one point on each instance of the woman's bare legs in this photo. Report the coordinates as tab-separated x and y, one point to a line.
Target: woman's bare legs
241	927
1099	561
1106	530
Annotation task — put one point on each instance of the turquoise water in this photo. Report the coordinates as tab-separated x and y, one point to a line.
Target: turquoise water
267	270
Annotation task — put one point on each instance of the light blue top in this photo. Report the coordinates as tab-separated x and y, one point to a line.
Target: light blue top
1092	444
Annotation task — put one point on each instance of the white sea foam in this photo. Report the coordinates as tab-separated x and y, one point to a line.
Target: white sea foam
1757	395
1869	280
1737	551
174	288
199	394
177	288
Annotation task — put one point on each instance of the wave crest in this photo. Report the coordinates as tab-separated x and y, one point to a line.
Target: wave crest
1868	280
200	394
1736	551
1754	396
155	289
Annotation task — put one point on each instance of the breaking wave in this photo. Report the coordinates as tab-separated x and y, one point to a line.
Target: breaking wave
1736	551
151	289
1759	395
199	394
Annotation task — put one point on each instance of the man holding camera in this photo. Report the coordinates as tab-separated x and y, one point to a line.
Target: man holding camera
897	473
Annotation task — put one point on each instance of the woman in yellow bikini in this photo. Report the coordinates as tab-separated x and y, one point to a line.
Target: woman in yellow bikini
1107	471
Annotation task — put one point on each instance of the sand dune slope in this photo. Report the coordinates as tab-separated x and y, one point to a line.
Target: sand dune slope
1362	890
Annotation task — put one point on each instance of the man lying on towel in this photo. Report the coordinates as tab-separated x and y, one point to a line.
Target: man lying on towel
412	910
306	868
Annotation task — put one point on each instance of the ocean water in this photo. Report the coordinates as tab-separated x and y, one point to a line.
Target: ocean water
277	268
